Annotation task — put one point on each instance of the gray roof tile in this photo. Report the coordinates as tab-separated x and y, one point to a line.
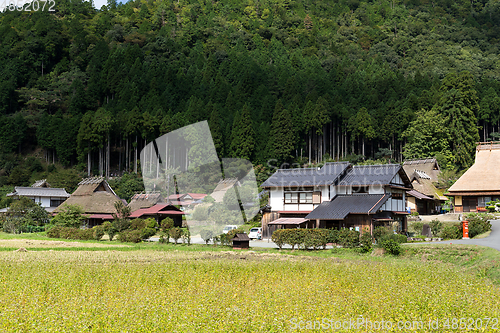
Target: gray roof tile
342	205
39	192
371	175
326	175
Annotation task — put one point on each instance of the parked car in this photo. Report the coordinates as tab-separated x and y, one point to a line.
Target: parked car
255	233
228	228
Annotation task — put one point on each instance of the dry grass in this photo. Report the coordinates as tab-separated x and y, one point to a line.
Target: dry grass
36	243
181	291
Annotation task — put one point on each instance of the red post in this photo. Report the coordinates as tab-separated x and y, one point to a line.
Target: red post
465	228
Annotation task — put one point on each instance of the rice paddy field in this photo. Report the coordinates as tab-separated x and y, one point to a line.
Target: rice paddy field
151	290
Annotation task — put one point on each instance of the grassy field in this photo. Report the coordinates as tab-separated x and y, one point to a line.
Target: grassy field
155	288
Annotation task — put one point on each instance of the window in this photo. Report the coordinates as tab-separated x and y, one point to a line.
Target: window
298	197
56	202
398	196
360	189
291	198
306	197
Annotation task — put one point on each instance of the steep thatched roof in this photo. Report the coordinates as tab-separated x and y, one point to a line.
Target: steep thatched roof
41	183
429	166
145	200
222	187
483	177
94	195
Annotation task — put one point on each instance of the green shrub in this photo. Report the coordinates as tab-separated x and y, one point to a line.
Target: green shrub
137	224
414	214
436	227
186	236
206	235
366	242
348	238
295	237
315	238
418	227
379	232
233	232
478	223
109	229
395	237
391	246
98	232
166	224
175	234
53	231
451	232
131	236
279	237
333	236
164	238
147	233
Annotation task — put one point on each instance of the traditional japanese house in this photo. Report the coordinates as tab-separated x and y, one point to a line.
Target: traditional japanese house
159	212
41	192
480	184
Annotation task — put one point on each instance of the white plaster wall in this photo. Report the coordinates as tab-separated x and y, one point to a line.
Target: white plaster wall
276	199
376	189
333	192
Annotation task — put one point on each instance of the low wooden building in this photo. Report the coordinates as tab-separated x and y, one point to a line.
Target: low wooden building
96	198
241	241
480	184
159	212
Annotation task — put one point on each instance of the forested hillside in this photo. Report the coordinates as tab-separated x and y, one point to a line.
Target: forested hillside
304	80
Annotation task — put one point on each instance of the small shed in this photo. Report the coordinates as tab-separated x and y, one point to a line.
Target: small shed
241	241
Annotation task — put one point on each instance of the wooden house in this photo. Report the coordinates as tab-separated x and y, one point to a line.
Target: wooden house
481	182
96	198
338	195
159	212
145	200
425	198
41	192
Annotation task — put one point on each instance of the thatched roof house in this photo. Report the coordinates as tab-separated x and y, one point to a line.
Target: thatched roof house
145	200
429	166
222	187
481	183
96	198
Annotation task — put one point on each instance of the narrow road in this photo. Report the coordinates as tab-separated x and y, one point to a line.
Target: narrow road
493	240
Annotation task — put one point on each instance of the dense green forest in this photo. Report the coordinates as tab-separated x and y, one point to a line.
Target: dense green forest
303	80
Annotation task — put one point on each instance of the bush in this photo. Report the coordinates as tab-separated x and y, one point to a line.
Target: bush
391	246
132	236
147	233
295	237
54	231
98	232
451	232
186	236
478	223
418	227
137	224
348	238
414	214
69	216
436	227
206	235
175	234
379	232
366	242
315	238
109	229
333	236
400	239
278	237
166	224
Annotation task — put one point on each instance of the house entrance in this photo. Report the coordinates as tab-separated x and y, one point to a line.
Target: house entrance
469	204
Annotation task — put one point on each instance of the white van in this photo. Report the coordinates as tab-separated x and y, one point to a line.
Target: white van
228	228
255	233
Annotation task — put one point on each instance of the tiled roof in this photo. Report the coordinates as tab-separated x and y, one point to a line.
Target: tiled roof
326	175
419	195
371	175
156	209
343	205
288	220
39	192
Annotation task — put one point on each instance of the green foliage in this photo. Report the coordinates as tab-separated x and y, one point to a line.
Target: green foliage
109	229
418	227
206	235
348	238
98	232
395	237
391	246
58	231
478	223
186	236
127	185
451	232
366	242
315	238
166	224
69	216
380	232
175	234
278	237
130	236
436	227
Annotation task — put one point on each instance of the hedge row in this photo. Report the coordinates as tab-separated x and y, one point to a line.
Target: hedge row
70	233
316	238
